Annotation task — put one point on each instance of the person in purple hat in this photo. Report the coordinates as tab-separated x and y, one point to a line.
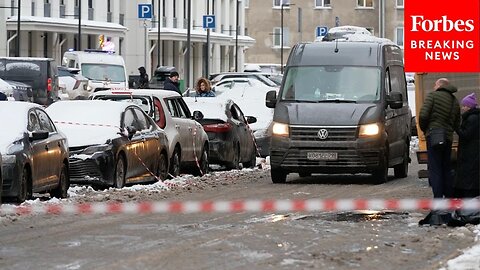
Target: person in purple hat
467	179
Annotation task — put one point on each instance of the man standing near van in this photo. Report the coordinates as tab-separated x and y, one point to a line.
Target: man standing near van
440	111
171	83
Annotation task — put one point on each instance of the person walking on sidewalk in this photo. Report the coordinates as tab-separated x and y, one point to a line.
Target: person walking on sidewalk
171	83
467	178
440	113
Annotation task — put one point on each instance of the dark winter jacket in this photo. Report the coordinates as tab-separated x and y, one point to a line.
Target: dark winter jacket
205	94
468	161
143	80
171	85
437	111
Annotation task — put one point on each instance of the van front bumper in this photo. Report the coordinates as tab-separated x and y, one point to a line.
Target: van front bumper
358	156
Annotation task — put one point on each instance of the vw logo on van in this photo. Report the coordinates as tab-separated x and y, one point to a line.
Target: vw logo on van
322	134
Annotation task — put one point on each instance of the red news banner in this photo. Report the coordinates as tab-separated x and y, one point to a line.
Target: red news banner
442	36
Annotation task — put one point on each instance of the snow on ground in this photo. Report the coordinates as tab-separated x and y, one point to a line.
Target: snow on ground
469	260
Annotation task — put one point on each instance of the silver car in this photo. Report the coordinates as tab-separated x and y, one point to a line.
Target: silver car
188	142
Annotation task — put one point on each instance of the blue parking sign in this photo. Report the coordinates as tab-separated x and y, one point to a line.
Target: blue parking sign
208	21
321	31
144	11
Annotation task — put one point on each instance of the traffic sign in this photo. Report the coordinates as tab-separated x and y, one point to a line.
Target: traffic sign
144	11
321	31
209	21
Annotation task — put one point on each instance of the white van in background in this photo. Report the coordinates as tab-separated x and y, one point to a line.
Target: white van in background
106	71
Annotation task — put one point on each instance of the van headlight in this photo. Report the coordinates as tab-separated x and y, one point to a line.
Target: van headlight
280	129
369	130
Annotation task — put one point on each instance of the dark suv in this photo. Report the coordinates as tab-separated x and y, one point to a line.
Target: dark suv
159	76
39	73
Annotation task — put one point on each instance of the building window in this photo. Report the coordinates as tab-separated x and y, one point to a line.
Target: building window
322	3
109	6
47	1
277	36
33	8
364	3
278	3
90	3
399	3
247	3
77	3
399	36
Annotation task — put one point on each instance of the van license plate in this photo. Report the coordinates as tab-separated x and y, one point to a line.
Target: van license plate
321	156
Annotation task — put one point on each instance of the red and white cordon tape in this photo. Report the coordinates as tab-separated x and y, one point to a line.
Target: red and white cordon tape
236	206
85	124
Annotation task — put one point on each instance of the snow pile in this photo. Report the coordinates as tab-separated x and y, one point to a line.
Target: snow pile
470	259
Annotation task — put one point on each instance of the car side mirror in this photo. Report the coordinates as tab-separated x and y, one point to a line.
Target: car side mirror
251	119
271	99
131	131
197	115
38	135
395	100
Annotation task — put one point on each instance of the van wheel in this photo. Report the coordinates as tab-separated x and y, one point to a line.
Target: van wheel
401	170
278	175
380	175
61	191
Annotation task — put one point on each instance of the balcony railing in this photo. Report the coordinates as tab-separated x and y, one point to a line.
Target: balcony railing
109	17
62	11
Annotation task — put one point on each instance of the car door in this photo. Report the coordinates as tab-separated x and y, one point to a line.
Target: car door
184	130
39	155
134	147
244	135
193	127
54	144
151	143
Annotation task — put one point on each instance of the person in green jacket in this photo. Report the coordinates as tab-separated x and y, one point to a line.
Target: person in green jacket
441	110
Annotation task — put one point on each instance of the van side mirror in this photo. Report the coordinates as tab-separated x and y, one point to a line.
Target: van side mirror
395	100
271	99
197	115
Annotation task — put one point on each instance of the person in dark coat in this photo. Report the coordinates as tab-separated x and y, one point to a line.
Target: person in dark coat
143	80
171	83
467	177
440	111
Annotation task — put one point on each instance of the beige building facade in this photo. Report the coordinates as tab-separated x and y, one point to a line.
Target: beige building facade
384	18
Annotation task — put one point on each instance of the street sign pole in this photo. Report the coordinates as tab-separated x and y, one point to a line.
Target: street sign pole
207	53
145	13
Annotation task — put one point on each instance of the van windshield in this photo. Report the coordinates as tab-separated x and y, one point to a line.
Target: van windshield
332	84
104	72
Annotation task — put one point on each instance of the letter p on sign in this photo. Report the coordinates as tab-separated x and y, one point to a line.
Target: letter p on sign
144	11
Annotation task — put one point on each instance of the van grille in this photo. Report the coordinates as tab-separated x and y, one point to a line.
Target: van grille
305	133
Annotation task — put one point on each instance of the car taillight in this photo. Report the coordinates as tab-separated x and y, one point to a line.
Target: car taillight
49	84
218	128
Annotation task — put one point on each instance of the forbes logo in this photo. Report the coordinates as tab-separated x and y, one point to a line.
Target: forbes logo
442	25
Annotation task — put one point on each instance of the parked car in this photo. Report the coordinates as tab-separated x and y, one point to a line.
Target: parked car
187	139
39	73
111	143
231	142
74	85
249	95
1	178
34	153
159	76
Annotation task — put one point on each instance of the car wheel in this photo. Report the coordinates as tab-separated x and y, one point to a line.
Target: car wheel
162	167
120	173
278	175
304	174
204	165
235	163
380	175
175	164
401	170
24	192
253	160
61	191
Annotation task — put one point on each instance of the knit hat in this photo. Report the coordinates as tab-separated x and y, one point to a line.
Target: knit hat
470	101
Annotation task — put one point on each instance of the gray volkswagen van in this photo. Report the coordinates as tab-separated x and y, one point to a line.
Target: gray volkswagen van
342	108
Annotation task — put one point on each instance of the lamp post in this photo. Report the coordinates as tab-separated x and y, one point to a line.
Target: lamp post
79	41
236	35
187	49
207	53
17	46
281	33
158	34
